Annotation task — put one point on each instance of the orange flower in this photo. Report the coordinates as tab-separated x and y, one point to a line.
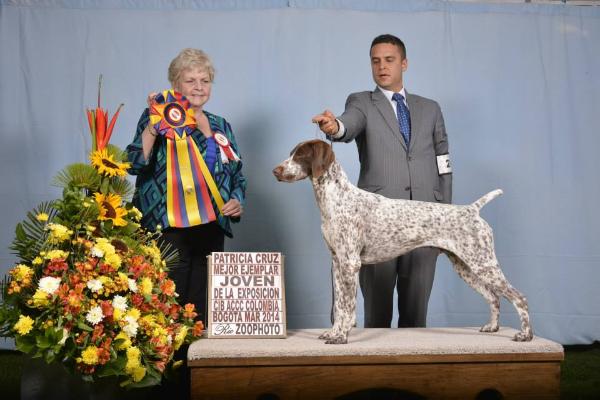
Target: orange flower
168	287
198	328
188	311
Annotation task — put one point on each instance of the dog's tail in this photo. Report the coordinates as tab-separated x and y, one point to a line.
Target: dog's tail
487	198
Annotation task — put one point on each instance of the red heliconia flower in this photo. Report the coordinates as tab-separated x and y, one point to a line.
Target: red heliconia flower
100	129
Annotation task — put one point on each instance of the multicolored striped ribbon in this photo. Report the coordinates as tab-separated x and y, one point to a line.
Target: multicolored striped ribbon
189	180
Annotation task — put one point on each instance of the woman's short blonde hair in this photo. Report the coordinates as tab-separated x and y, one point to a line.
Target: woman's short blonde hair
190	58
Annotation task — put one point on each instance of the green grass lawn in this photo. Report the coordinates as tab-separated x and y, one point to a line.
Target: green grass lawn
580	373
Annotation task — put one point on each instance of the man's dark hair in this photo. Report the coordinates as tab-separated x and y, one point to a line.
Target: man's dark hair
391	39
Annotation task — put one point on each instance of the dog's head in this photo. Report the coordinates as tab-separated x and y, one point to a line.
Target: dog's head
311	158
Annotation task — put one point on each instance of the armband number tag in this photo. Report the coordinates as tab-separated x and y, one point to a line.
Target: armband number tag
443	164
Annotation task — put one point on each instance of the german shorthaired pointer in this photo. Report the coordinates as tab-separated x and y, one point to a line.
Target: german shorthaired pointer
362	227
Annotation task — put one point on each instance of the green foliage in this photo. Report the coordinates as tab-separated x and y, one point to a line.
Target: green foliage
30	234
78	176
122	187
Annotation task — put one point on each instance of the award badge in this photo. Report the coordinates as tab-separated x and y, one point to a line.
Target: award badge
227	152
188	178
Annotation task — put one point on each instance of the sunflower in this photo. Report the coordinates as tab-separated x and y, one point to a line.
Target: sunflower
110	208
104	162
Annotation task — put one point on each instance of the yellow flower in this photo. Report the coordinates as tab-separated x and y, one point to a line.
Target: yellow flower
42	217
58	233
40	298
117	314
37	261
107	165
138	373
133	357
126	341
54	254
145	286
90	355
21	273
113	260
110	208
135	214
133	313
23	325
154	253
161	334
180	337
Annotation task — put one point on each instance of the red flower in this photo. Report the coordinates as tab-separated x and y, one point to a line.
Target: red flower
56	267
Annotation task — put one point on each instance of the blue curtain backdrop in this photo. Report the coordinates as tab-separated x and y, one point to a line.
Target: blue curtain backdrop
519	85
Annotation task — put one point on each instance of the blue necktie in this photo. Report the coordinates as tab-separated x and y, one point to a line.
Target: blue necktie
403	117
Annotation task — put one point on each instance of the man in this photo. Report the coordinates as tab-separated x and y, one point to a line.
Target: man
403	153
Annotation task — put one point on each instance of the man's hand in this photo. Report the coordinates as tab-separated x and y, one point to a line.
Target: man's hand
327	122
232	208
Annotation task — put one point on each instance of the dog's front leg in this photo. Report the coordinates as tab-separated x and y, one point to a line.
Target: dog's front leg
345	278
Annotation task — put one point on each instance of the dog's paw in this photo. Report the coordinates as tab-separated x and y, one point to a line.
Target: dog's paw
490	328
328	334
523	337
337	340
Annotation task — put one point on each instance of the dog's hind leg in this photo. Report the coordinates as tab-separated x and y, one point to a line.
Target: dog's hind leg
519	301
483	289
493	279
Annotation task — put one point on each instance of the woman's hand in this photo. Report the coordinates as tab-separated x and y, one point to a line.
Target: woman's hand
150	98
232	208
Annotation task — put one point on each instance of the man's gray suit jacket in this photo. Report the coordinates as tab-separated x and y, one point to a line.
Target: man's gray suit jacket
387	166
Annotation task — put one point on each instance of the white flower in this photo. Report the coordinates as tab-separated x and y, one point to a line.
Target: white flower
49	284
119	303
132	285
131	327
97	252
94	315
94	285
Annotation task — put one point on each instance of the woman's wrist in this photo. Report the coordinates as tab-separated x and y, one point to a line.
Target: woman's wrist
150	129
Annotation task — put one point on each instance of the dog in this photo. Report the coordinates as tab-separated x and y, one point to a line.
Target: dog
360	227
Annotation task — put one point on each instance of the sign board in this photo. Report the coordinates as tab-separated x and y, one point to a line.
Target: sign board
246	295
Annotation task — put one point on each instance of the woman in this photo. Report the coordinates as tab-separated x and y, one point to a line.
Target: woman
197	224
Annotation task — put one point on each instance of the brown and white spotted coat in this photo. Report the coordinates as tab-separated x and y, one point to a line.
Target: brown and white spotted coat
366	228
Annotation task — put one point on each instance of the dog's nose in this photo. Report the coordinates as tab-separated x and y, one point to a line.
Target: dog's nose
277	171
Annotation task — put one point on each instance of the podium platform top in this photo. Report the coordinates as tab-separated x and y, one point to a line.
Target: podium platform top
376	346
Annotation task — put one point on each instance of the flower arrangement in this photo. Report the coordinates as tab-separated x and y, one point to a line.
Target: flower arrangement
91	288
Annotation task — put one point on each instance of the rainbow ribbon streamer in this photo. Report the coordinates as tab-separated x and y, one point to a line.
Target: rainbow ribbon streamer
189	180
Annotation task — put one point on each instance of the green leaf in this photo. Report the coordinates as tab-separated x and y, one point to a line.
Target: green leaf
114	367
42	342
78	175
84	327
26	344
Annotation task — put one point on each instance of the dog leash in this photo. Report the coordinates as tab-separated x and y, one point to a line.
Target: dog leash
318	134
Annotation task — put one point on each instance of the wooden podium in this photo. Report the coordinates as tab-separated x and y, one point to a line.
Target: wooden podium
436	363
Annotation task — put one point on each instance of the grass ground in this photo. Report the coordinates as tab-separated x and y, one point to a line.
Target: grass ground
580	373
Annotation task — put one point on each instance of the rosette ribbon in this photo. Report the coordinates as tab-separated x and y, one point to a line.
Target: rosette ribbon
189	180
226	152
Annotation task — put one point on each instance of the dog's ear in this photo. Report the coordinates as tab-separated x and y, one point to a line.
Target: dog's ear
322	158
